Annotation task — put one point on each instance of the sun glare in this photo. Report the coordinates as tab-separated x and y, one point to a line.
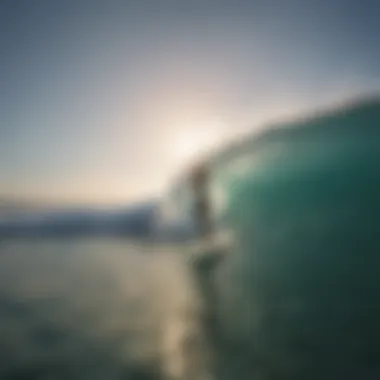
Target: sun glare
188	146
191	144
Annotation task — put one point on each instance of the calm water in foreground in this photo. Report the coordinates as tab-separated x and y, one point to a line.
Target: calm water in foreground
90	309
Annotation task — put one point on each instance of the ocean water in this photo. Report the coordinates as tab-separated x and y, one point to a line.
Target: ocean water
296	294
93	309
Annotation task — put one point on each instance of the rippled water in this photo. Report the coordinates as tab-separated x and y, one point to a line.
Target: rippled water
91	309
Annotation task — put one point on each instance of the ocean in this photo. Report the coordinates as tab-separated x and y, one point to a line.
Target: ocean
101	308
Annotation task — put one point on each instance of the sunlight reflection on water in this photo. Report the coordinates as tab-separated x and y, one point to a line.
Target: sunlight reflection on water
91	308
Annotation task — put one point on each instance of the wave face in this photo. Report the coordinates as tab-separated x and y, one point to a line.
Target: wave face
298	294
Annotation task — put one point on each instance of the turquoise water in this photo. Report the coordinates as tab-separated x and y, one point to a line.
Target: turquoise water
299	296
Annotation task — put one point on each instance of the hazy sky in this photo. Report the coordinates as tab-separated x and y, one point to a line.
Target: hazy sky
100	99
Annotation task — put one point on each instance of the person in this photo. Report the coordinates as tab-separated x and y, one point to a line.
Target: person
199	178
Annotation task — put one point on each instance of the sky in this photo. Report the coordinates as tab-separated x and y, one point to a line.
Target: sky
103	101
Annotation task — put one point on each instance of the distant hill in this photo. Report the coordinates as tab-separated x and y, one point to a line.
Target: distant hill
22	219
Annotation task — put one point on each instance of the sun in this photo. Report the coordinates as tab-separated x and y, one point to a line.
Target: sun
192	143
188	146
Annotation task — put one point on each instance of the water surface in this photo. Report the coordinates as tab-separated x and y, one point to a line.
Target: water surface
90	308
